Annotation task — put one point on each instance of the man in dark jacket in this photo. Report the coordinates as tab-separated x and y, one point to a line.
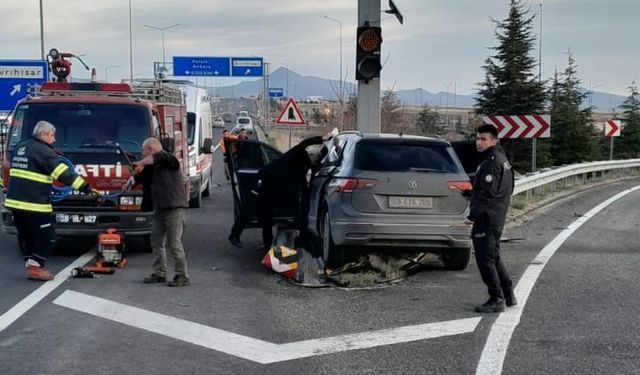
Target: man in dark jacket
169	200
34	167
282	189
490	197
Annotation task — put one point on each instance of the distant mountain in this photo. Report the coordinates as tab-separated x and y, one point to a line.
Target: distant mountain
301	87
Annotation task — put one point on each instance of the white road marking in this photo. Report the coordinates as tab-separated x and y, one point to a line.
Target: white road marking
255	350
37	295
495	349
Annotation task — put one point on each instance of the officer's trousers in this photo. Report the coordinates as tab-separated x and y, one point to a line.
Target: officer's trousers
486	243
36	234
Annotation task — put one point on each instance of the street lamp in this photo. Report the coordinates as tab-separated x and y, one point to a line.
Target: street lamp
41	32
106	71
340	90
162	29
448	85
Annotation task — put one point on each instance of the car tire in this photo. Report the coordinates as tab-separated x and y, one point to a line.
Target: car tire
196	202
207	190
332	254
456	259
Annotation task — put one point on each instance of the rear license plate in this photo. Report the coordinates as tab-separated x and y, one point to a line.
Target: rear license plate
410	202
75	218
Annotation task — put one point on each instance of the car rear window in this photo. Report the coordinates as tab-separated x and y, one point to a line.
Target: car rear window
243	121
402	157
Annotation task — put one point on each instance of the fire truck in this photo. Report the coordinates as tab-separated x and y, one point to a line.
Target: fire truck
100	128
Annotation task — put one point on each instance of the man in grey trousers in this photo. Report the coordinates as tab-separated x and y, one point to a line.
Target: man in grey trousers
159	172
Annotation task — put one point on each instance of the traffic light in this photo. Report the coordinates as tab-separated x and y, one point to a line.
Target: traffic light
368	52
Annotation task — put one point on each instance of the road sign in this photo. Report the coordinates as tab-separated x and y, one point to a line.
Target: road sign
290	115
201	66
521	126
16	76
276	92
246	66
612	128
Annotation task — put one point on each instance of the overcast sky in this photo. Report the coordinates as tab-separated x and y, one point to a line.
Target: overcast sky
442	42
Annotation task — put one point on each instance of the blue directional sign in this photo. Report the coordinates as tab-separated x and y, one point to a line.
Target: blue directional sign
201	66
246	66
16	76
276	92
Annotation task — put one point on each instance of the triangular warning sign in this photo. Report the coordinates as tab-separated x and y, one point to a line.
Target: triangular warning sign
290	115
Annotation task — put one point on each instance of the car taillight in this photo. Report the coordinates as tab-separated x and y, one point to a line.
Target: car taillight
348	185
460	185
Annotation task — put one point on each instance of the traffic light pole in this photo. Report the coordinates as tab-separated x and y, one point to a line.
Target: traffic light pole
368	116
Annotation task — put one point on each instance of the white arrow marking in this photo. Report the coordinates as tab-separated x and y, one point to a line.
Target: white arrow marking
216	72
249	348
16	89
247	72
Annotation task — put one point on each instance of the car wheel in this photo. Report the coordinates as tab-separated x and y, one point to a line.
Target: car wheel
332	254
456	259
196	202
207	190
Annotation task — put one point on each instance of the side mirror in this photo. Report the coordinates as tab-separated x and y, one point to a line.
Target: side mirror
207	145
167	144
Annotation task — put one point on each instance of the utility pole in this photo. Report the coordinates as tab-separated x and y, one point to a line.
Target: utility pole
368	117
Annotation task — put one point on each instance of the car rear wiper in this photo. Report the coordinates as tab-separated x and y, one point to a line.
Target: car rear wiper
415	169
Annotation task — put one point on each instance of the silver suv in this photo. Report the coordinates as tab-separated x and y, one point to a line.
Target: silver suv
390	192
381	191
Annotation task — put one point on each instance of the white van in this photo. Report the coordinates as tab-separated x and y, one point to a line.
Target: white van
199	139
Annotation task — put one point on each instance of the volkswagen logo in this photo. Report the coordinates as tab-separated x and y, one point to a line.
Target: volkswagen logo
413	186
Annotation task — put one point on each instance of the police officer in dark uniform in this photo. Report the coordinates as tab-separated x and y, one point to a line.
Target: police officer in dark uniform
34	167
490	197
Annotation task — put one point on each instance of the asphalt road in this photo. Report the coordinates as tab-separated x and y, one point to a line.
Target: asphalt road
580	318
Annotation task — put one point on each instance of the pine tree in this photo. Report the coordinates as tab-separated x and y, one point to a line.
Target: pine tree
573	138
511	86
390	114
628	145
427	122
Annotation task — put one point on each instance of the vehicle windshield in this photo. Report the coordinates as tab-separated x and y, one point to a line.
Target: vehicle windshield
191	127
79	125
244	121
402	157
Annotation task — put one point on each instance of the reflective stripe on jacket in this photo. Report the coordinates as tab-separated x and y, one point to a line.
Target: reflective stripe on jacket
34	168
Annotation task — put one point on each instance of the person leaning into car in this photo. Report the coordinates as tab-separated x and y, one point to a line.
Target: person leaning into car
489	199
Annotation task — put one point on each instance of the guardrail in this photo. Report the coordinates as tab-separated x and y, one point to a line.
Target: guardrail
551	179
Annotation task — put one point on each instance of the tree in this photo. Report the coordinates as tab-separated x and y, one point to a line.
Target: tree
390	114
427	122
510	86
628	145
573	138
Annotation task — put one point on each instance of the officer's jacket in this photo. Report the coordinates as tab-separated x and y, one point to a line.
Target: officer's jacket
34	167
492	188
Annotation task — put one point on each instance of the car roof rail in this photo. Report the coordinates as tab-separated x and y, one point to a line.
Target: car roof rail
358	132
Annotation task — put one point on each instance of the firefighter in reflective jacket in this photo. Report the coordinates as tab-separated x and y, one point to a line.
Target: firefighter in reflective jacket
34	167
490	197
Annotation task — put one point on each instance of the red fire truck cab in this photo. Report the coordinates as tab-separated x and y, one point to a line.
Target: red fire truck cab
100	128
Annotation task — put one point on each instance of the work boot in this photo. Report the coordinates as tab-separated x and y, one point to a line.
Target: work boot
510	298
154	279
235	241
38	273
179	281
493	305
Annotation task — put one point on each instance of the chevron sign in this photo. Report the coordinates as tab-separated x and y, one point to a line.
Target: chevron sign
521	126
612	128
